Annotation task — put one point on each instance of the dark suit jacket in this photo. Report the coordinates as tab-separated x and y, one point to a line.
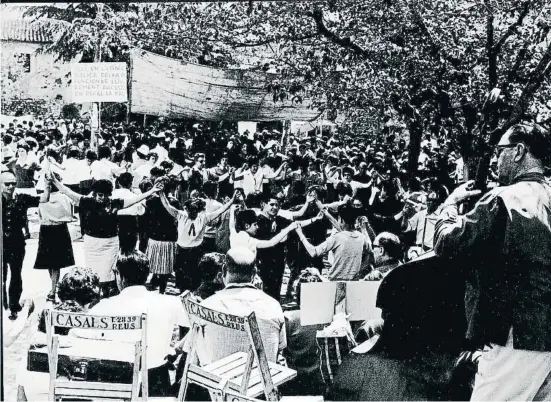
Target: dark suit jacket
505	241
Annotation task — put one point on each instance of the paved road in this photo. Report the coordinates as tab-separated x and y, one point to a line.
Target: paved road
36	285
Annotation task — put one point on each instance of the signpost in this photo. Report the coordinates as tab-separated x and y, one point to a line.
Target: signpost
99	82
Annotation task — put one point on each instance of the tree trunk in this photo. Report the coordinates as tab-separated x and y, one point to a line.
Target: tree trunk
415	134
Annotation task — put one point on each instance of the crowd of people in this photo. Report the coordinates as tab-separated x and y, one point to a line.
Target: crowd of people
225	214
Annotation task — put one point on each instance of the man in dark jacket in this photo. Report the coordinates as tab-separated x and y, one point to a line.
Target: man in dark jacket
14	216
507	238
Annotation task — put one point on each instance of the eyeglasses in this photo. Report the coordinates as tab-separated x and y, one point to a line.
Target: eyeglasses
501	148
9	183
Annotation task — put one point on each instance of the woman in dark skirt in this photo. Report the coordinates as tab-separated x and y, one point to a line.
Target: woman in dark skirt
55	249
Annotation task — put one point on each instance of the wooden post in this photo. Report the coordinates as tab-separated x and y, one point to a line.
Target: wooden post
144	119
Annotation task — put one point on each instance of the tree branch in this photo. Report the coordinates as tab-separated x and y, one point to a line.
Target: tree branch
511	30
344	42
268	41
542	71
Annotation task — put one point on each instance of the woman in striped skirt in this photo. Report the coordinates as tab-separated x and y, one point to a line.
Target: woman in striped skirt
162	232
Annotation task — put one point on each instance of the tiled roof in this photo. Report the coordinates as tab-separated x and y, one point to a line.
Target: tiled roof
28	31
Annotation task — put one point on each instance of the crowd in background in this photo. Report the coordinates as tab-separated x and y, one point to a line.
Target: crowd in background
325	206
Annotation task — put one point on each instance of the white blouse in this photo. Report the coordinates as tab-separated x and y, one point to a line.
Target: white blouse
56	211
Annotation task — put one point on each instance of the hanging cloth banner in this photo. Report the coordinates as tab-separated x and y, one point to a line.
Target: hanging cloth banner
162	86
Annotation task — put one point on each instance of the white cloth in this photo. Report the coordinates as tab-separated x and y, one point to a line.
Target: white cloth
163	314
105	170
100	255
243	239
508	374
75	171
126	194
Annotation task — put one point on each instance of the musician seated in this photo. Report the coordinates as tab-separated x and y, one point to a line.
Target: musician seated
414	356
423	222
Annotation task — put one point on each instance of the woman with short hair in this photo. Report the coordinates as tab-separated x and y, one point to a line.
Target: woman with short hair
98	220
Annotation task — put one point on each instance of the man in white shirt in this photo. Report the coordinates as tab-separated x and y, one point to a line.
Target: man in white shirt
241	297
253	177
74	170
160	150
347	174
103	168
163	314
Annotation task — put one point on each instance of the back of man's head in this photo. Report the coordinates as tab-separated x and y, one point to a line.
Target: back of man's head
348	214
133	268
240	264
391	244
125	180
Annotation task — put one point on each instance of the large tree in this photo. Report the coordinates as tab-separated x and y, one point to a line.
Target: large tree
432	63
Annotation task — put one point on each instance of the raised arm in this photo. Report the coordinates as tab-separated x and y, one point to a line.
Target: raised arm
277	238
131	201
215	214
233	231
45	196
171	210
331	218
74	197
277	172
309	247
292	215
364	185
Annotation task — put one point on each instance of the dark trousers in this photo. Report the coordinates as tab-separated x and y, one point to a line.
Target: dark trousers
271	273
159	381
13	258
187	275
128	232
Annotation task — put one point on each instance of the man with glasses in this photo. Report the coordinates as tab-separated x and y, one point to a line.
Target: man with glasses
506	239
14	216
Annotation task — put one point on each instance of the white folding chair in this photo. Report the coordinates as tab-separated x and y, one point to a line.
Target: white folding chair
95	390
246	374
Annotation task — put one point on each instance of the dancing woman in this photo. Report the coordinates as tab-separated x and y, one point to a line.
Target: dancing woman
98	222
192	222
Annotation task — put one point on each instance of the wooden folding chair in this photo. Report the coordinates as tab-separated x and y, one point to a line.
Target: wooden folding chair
242	374
60	388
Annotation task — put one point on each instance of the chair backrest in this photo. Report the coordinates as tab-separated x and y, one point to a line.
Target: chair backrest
64	319
201	316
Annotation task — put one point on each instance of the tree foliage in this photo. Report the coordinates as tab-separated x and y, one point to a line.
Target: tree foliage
427	63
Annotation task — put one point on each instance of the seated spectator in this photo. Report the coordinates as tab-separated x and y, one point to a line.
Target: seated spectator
241	297
387	251
78	289
211	266
302	353
163	313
